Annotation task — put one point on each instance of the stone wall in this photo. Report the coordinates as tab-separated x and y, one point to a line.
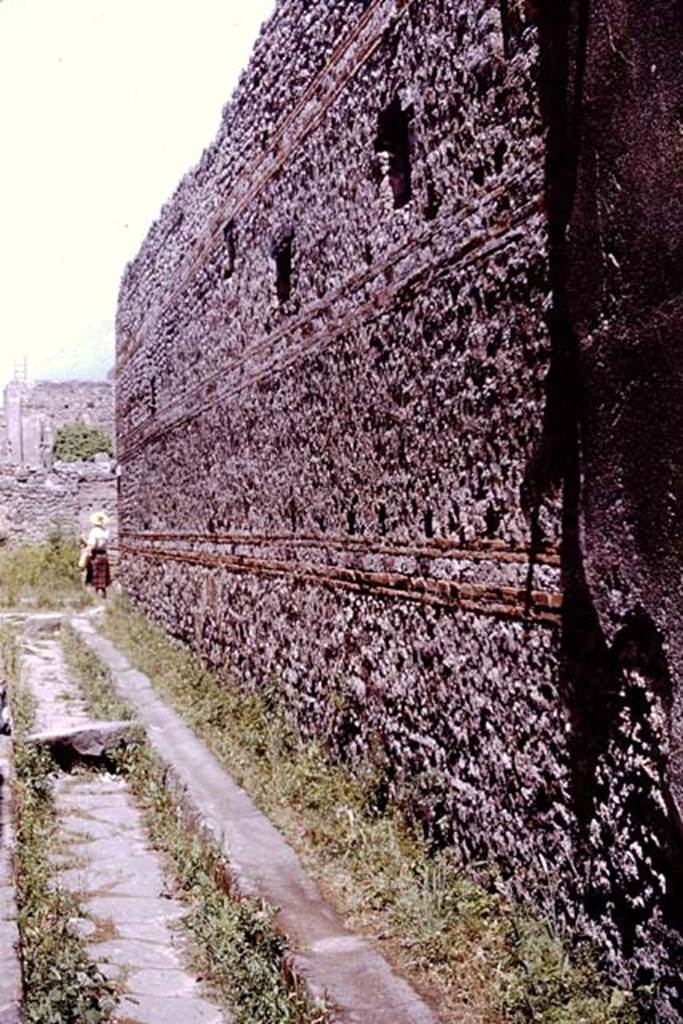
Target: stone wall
36	502
38	495
35	411
612	81
346	419
4	441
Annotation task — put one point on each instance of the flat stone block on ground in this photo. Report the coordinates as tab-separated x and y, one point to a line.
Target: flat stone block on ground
177	1010
333	961
89	741
155	981
140	909
161	955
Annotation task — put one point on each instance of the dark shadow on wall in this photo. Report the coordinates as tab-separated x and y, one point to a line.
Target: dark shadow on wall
618	697
556	461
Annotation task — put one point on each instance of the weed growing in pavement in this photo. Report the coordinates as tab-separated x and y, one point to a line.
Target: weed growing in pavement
459	940
42	575
61	983
239	949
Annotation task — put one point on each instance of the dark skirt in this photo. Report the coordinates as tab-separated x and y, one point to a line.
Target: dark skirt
97	573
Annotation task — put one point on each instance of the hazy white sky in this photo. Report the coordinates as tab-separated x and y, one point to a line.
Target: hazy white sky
104	104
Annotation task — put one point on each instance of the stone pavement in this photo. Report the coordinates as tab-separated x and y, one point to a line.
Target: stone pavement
336	964
130	921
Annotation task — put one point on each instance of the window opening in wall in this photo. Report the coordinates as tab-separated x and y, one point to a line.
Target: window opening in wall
513	14
230	249
282	255
392	146
433	200
505	25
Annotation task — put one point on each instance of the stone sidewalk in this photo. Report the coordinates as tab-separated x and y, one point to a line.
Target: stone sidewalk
130	921
337	964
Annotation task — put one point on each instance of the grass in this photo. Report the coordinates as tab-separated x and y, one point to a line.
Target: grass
42	575
461	942
239	950
62	985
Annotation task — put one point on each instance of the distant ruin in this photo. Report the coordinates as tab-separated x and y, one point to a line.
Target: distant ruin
398	419
37	495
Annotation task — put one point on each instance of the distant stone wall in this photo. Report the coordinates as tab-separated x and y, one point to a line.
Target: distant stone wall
35	411
34	502
38	495
4	441
348	424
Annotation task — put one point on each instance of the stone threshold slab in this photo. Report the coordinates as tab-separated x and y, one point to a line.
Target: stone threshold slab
338	966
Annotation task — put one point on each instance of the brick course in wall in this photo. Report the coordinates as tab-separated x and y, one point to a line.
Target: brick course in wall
337	370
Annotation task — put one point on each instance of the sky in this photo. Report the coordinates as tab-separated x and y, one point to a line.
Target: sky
104	105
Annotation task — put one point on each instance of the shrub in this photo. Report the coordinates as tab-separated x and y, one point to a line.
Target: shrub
42	575
79	441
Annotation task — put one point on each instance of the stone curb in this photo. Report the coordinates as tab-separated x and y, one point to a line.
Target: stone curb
11	976
337	966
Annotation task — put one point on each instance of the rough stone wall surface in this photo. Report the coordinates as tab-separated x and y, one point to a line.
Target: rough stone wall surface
35	411
4	440
348	458
35	502
38	495
613	81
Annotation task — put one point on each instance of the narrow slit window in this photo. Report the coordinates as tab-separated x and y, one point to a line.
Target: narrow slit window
392	146
514	14
230	250
505	26
283	269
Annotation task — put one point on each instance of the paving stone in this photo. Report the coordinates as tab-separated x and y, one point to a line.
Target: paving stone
178	1010
334	962
98	873
112	848
146	931
120	824
79	826
112	879
91	785
94	803
124	952
135	908
151	981
128	922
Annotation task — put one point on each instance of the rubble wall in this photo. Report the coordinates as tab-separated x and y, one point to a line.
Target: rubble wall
70	401
38	495
34	411
612	79
4	440
346	461
34	503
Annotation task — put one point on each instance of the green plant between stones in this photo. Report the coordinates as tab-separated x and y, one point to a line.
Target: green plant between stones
42	575
484	960
61	983
239	950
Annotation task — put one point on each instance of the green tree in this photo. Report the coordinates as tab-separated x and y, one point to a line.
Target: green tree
76	441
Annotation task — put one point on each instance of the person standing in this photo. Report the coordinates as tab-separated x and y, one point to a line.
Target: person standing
97	572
